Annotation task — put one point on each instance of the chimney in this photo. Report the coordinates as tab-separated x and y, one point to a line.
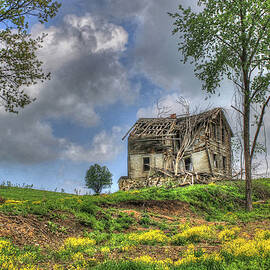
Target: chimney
173	116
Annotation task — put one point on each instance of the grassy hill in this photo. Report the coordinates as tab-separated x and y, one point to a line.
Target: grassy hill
195	227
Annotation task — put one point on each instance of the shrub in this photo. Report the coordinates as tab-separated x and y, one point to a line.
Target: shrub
145	220
86	219
88	207
2	200
125	221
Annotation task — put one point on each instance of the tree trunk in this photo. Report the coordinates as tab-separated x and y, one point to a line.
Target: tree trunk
246	125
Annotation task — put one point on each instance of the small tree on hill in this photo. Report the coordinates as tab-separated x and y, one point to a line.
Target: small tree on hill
98	177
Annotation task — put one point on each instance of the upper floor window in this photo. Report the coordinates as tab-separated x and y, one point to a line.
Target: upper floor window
218	132
214	131
223	135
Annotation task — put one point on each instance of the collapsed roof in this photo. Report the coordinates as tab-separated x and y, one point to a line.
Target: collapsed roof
170	126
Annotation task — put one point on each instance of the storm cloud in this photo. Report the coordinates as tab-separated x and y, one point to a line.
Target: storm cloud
83	55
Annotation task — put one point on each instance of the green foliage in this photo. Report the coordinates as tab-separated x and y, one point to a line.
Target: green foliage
105	234
98	177
221	38
125	221
99	237
223	201
56	227
145	220
226	39
19	64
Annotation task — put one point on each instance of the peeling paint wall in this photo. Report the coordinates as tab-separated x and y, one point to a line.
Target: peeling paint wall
136	164
200	162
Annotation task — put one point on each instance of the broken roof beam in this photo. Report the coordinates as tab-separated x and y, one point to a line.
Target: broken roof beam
129	131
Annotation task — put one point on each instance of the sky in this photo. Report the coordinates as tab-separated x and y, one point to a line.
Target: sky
110	62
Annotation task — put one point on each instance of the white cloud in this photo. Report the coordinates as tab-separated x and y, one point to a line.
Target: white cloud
83	53
27	141
169	104
104	147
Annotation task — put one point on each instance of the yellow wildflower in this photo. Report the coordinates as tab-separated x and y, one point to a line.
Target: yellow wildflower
150	237
105	250
241	247
228	234
194	234
79	242
262	234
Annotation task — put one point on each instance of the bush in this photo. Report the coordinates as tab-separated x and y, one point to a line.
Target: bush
86	219
2	200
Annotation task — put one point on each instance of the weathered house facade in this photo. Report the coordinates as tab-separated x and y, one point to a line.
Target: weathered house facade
190	148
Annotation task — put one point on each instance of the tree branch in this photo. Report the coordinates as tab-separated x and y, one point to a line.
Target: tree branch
237	109
259	126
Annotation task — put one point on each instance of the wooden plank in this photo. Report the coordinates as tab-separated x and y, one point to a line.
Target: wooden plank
128	131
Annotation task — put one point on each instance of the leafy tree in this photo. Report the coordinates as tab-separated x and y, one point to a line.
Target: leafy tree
230	39
98	177
19	66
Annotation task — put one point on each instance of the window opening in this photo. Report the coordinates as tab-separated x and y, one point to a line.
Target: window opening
223	135
146	164
188	164
214	131
218	132
224	163
215	161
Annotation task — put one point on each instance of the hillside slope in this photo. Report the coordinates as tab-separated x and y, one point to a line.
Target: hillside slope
196	227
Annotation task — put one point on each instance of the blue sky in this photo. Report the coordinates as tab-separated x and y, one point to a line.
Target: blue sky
111	60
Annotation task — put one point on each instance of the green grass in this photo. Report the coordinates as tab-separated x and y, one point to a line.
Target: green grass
213	202
29	194
208	265
110	227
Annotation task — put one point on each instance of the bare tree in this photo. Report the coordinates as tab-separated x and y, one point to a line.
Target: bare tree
162	111
189	129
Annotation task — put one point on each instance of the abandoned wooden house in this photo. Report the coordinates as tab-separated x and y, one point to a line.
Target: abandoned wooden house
186	149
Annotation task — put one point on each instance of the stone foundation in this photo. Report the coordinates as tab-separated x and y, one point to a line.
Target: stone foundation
126	183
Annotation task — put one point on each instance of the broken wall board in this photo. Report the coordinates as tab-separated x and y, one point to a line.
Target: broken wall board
200	162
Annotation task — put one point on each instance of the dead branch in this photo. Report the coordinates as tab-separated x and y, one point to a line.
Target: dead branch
259	126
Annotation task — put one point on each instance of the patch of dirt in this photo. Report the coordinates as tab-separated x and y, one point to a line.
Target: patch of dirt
31	230
251	227
166	208
137	215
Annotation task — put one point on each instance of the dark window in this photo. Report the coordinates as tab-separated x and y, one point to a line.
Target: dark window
146	164
218	132
223	135
188	164
215	161
214	131
224	163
